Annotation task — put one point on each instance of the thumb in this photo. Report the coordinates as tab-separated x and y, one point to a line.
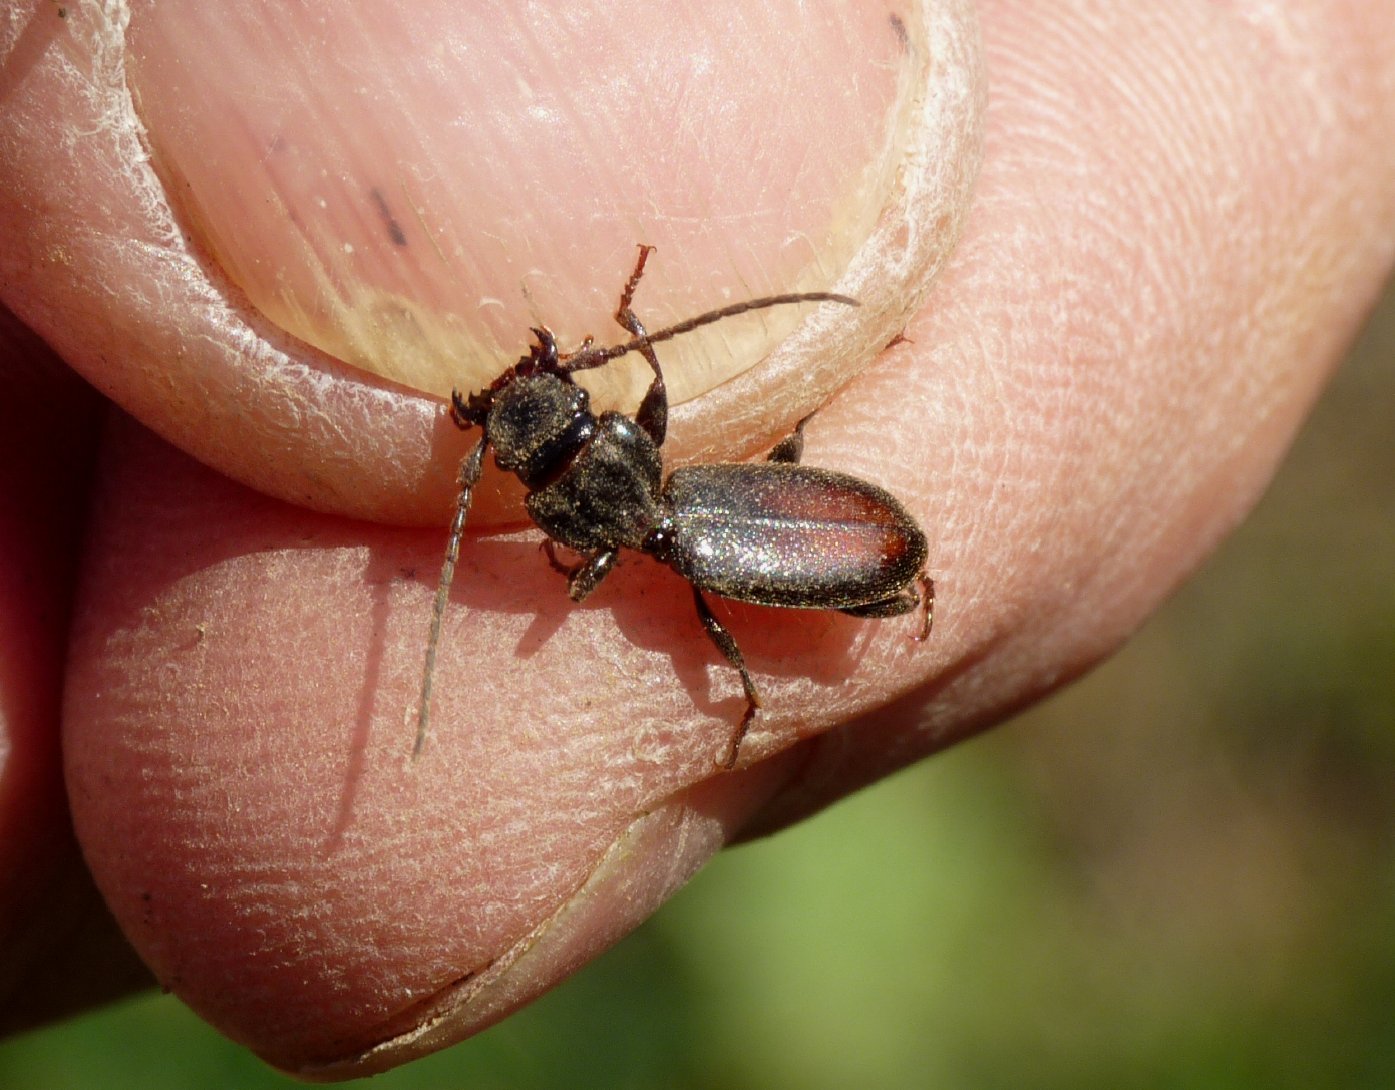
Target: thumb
396	193
245	202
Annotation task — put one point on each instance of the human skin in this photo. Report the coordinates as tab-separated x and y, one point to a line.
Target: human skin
1182	215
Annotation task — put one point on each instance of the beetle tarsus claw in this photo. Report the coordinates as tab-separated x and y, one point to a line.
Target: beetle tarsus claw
733	749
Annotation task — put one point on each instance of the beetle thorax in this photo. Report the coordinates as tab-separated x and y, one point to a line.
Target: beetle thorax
536	425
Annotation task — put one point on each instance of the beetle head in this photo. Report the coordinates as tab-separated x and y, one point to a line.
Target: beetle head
535	422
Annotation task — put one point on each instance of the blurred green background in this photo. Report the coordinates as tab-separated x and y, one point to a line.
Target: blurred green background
1178	873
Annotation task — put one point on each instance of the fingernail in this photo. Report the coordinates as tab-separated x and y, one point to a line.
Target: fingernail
409	187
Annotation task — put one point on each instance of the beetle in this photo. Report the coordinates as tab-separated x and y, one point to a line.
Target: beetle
776	533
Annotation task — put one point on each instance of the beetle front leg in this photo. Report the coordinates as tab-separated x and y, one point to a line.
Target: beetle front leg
582	578
549	547
718	634
652	414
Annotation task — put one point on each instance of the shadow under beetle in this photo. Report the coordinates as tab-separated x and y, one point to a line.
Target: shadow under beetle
775	533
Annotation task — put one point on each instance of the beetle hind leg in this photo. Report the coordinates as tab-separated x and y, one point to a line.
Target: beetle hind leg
718	634
906	600
927	601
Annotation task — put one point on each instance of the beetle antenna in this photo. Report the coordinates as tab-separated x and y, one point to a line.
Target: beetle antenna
594	357
469	476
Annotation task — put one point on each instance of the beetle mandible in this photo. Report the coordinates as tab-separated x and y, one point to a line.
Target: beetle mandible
776	533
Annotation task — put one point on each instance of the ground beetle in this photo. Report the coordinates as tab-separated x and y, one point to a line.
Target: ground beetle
775	533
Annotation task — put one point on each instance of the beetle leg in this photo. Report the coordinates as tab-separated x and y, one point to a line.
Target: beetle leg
904	601
582	578
718	634
587	575
627	296
550	548
791	448
469	476
652	414
459	410
927	601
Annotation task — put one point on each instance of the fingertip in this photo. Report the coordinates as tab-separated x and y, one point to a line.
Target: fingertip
238	746
297	268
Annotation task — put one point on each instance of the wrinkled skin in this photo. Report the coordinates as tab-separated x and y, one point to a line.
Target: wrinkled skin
1182	216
